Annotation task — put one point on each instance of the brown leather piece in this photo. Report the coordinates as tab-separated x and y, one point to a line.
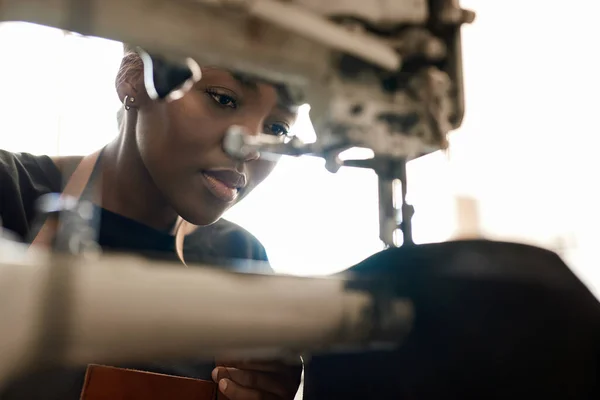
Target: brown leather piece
110	383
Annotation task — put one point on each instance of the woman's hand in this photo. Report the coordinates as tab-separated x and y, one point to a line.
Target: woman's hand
257	380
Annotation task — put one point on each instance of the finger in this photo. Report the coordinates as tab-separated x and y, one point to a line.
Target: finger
234	391
220	373
252	380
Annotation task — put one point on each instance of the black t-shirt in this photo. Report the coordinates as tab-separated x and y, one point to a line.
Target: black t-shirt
24	178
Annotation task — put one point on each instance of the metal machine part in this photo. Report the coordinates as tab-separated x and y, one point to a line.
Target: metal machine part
378	12
64	310
167	80
492	320
76	224
384	75
433	320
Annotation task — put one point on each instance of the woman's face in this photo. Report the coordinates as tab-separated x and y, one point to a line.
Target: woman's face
181	142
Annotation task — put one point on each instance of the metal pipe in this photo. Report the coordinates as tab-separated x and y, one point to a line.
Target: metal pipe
123	310
310	25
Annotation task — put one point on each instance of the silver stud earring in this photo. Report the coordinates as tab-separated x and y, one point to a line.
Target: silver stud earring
127	101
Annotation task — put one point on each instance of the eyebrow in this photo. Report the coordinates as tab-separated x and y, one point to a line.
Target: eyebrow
245	80
283	99
239	78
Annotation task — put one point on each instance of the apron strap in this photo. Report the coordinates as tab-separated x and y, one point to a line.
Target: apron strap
74	189
182	229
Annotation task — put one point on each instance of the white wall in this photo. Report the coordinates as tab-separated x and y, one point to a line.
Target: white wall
526	151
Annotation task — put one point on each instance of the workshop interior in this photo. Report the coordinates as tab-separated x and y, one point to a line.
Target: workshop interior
432	220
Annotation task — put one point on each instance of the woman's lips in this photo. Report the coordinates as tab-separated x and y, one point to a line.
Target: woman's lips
219	188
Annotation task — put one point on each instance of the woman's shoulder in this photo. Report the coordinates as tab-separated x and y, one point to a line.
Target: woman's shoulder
28	169
24	178
228	241
240	236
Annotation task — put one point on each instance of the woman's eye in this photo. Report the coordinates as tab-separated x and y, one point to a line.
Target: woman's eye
222	99
277	130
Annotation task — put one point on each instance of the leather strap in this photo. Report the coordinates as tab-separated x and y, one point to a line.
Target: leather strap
181	230
74	189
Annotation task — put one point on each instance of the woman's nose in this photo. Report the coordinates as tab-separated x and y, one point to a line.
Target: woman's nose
237	143
252	126
252	156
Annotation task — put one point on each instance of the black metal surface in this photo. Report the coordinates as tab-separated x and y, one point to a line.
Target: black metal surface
493	321
167	76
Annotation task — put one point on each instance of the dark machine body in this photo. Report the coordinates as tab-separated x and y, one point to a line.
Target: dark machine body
492	321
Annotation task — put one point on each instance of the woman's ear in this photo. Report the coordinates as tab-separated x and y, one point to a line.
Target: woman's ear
126	91
130	79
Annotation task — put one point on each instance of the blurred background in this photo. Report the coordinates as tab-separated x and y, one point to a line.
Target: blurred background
521	168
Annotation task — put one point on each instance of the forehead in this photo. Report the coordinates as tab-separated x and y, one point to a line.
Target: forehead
248	84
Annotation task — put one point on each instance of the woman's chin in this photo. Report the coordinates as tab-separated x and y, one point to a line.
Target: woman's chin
200	208
205	219
204	215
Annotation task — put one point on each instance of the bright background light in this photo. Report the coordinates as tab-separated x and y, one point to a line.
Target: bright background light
526	153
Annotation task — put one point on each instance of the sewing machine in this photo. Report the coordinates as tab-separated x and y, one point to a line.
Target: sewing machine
381	75
472	319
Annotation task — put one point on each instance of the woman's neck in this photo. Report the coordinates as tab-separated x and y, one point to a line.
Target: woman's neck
128	188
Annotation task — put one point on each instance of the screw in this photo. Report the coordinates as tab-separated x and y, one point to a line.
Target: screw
356	109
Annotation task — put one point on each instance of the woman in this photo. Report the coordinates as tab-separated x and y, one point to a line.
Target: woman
167	161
